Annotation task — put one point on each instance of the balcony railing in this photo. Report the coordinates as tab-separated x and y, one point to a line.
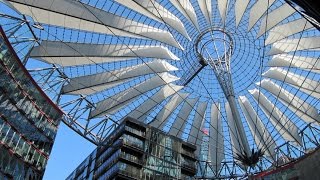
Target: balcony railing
129	171
131	158
135	131
188	153
133	142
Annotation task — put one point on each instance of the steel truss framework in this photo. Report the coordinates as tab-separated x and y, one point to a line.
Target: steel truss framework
284	153
254	86
52	79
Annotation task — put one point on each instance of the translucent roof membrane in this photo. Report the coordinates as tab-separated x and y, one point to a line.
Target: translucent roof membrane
229	76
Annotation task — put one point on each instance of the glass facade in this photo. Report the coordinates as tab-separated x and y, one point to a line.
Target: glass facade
28	119
137	151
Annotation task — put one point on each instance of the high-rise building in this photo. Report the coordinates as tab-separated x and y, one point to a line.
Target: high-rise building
28	119
137	151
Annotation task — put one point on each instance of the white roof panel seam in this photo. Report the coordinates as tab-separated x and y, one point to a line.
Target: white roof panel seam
157	12
128	95
291	45
182	117
275	17
82	83
301	108
216	142
261	135
98	16
285	30
287	60
143	109
258	10
162	117
302	83
197	123
285	127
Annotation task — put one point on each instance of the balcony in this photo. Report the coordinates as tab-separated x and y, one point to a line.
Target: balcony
131	159
133	143
187	153
135	131
129	172
189	166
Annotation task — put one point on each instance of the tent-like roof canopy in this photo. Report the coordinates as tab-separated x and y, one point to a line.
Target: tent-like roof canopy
227	75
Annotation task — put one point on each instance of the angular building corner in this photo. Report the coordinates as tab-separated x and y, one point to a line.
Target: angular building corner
138	151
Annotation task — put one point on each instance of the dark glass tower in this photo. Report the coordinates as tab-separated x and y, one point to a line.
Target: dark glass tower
28	119
137	151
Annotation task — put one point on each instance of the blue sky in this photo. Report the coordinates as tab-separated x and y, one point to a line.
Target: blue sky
68	152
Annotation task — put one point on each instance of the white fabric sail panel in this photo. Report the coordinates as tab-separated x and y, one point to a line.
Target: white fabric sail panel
275	17
301	108
216	143
177	4
206	9
154	10
45	11
186	8
71	54
257	11
236	143
167	110
165	16
166	78
302	83
78	88
117	101
201	134
303	62
76	61
283	31
45	16
280	121
240	8
291	45
172	89
139	7
222	6
179	124
143	110
87	84
262	136
196	133
136	28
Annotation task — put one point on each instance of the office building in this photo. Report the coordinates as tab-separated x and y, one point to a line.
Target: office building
137	151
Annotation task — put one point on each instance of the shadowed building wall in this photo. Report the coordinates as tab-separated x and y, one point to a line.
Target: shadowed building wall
29	120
